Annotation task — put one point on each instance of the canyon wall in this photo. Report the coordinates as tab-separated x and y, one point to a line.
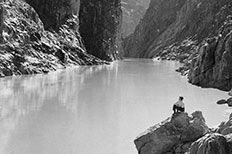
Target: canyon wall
212	67
100	27
195	32
38	36
171	22
133	11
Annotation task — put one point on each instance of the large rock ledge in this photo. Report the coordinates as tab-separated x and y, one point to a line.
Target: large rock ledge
183	134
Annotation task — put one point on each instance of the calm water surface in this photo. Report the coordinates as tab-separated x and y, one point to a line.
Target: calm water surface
95	110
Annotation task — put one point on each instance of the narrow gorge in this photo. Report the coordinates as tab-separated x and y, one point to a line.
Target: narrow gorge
195	32
38	36
107	69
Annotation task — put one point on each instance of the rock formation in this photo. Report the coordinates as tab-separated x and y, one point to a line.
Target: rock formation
38	36
100	27
173	132
55	13
169	23
182	134
212	68
133	11
210	144
195	32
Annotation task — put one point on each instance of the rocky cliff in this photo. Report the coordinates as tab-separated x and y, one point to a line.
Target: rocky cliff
195	32
212	67
43	35
100	27
183	134
172	23
133	11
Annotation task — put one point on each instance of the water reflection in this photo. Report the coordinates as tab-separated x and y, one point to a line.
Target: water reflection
94	110
22	96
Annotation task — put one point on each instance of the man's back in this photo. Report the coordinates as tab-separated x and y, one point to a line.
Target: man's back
180	103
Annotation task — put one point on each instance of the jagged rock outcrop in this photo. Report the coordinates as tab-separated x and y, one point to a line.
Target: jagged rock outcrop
216	142
133	11
212	68
210	144
100	27
182	134
173	134
168	23
225	127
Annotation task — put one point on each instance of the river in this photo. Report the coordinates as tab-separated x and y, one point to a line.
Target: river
96	109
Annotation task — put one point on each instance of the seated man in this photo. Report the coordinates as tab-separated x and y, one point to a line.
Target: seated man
179	105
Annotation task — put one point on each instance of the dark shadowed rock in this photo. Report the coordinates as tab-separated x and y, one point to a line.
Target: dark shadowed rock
229	142
55	13
222	101
100	27
230	93
170	133
210	144
229	102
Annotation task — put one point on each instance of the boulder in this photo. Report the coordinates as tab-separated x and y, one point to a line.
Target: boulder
225	127
229	102
222	101
174	131
230	93
196	128
210	144
227	130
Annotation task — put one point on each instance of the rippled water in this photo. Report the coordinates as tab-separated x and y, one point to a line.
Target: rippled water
95	110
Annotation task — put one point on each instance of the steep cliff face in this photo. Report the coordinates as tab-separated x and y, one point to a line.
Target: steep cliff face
43	35
100	27
171	22
28	48
133	11
212	67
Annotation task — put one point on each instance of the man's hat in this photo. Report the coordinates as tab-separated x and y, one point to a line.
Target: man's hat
181	97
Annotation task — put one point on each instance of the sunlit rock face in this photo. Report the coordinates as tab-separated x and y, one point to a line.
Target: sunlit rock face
133	11
171	22
100	27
